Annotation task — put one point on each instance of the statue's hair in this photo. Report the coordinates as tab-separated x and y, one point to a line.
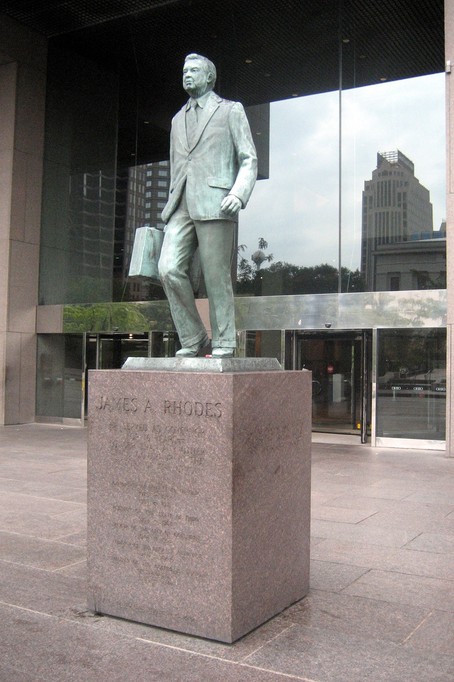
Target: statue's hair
210	67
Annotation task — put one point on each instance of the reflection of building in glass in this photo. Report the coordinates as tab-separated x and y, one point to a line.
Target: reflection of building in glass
418	264
142	194
396	225
91	214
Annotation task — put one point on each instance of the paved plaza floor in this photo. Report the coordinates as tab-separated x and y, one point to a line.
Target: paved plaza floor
381	604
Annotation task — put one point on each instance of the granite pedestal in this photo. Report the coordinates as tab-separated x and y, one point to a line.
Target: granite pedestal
198	495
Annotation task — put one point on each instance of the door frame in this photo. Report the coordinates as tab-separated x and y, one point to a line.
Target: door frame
293	361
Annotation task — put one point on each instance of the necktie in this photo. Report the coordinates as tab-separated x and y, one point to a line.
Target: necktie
191	122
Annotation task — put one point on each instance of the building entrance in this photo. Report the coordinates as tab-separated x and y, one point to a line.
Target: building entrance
341	369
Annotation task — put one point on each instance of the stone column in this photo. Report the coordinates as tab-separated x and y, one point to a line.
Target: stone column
22	104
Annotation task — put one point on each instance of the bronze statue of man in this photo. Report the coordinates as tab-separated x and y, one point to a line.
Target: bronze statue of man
213	169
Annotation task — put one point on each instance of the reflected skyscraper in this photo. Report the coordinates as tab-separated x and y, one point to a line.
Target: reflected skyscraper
141	195
396	210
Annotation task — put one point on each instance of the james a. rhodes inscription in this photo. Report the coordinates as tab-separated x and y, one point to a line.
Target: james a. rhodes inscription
169	406
193	524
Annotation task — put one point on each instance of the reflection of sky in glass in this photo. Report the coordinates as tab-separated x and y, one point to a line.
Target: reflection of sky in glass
296	210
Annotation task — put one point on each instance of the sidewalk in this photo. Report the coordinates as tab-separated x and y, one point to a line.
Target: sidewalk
381	605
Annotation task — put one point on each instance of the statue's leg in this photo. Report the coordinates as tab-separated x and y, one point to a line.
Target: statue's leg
215	239
180	242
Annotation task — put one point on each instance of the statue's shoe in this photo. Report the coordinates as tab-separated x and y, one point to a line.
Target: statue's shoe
192	351
222	352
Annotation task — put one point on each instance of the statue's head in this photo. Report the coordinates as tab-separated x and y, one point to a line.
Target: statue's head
199	75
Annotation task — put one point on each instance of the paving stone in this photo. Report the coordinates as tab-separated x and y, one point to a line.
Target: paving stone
436	496
442	543
39	590
42	488
333	577
405	589
17	675
357	616
236	652
374	505
383	537
77	570
42	525
436	633
418	520
79	539
339	514
390	490
325	656
404	560
29	551
56	650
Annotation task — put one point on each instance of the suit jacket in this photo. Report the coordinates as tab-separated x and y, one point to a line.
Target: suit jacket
221	160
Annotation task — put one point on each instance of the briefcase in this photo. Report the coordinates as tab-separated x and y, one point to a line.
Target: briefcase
145	253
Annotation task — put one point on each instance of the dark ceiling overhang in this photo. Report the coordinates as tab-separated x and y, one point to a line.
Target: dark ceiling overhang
264	50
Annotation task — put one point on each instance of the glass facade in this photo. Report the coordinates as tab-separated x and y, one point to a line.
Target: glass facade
79	190
350	198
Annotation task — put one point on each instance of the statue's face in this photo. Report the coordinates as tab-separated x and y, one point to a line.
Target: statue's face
196	79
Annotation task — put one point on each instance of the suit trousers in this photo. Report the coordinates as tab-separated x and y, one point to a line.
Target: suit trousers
215	241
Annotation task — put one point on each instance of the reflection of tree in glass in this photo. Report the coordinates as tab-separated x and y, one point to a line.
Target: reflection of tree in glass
284	278
418	354
259	256
104	317
245	269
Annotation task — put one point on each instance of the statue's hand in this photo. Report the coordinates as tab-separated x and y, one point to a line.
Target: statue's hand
231	205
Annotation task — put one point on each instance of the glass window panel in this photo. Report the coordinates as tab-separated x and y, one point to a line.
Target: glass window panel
116	349
287	242
59	376
393	185
261	344
411	391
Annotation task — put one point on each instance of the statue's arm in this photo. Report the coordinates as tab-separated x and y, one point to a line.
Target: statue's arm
246	155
